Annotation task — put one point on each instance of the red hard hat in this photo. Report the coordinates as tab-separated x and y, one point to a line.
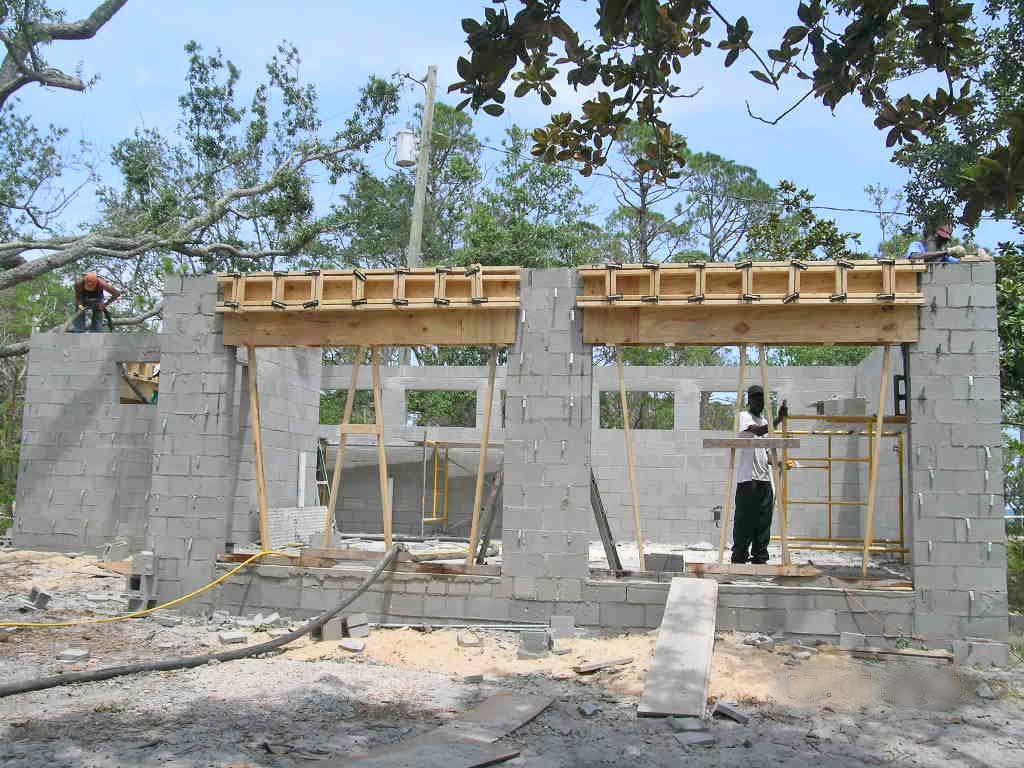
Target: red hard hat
91	280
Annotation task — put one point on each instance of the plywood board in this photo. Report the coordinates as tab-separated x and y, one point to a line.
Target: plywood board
353	327
751	324
677	680
496	717
433	750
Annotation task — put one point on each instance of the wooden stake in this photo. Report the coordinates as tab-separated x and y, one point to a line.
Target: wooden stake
630	459
382	456
876	441
762	361
339	459
257	441
727	513
478	495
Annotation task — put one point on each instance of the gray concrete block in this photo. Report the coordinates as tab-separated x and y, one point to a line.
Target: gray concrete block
232	638
73	654
562	626
852	640
981	653
534	644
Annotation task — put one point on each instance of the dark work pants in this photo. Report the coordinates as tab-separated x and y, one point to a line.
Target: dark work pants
96	326
753	527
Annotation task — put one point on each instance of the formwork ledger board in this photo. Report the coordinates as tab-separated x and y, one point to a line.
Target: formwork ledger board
353	327
731	324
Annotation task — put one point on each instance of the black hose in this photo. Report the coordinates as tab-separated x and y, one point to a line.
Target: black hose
188	662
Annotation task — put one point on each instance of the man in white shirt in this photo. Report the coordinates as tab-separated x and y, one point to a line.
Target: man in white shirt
755	494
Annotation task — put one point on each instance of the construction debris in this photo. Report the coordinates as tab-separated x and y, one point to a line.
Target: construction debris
562	627
731	711
352	644
534	644
467	639
357	625
37	599
232	638
696	739
687	724
73	654
165	619
595	666
588	709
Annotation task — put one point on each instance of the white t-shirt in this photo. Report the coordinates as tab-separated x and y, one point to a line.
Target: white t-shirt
753	463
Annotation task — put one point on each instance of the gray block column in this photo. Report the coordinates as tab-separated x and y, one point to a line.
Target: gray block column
194	456
956	509
547	520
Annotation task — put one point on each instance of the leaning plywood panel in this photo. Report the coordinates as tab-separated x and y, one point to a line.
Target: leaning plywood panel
677	681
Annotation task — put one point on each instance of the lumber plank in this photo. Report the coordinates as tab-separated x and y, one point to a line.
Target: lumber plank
627	434
257	440
339	458
752	569
351	327
704	324
603	528
432	750
876	444
595	666
767	443
485	436
677	680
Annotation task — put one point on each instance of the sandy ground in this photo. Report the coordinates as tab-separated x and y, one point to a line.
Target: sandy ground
317	702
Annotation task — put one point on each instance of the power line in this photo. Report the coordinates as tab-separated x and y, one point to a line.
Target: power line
740	198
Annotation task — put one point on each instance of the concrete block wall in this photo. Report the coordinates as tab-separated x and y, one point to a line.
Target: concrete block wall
547	521
680	482
959	539
85	468
289	389
359	508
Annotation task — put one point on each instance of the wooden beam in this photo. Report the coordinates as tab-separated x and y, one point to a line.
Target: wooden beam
394	327
339	458
382	456
762	362
478	493
630	459
746	442
876	444
727	507
257	441
704	324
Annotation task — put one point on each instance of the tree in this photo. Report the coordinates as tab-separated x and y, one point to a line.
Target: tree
27	27
791	230
230	189
638	230
725	200
373	219
977	158
839	48
532	216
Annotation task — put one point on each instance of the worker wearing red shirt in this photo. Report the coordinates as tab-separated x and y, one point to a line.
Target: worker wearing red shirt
89	296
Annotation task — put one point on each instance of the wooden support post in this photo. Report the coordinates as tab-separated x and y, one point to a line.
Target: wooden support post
478	494
343	433
257	441
382	456
727	507
876	441
630	459
762	361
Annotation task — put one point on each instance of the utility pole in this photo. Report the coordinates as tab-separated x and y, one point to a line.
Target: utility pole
419	200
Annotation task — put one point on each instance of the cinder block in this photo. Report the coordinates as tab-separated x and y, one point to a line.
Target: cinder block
562	626
981	653
534	644
852	640
357	625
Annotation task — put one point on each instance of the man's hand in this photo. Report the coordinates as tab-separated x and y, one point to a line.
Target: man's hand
103	306
781	415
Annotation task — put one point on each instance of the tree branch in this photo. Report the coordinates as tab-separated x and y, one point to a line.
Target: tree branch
83	29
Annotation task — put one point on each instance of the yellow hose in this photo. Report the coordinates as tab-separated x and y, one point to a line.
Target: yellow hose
147	611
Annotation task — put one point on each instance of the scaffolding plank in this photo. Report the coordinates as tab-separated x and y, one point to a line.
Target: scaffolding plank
677	680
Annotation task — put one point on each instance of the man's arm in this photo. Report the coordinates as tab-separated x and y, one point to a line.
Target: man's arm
79	302
781	415
113	292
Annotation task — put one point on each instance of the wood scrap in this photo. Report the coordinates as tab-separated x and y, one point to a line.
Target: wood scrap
590	667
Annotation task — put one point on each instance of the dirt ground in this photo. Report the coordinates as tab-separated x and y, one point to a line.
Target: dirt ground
316	703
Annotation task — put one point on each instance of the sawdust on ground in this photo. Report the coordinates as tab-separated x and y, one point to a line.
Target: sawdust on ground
739	672
22	570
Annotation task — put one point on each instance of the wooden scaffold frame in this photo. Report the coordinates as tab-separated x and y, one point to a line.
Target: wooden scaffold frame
442	306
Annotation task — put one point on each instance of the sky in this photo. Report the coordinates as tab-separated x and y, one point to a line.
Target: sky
139	59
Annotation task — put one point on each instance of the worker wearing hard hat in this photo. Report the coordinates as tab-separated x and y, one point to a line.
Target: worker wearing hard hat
92	294
935	248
